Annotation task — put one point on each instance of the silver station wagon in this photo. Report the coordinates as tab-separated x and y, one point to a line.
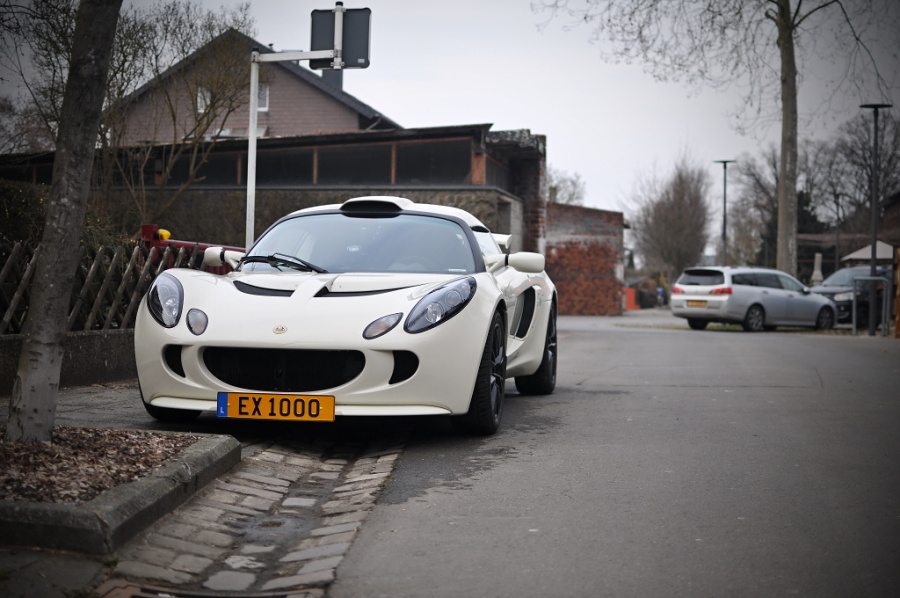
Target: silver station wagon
757	298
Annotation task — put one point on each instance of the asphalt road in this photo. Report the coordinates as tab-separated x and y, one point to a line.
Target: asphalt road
669	462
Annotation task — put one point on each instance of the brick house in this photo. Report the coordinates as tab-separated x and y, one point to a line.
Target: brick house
284	87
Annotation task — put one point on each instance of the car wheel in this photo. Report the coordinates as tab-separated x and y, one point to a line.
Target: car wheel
543	381
696	324
486	407
755	319
825	319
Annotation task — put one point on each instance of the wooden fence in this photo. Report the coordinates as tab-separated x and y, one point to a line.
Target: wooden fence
109	282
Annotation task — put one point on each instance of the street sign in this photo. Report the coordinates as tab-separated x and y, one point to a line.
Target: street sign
340	40
355	37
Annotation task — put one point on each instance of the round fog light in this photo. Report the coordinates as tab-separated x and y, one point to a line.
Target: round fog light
197	321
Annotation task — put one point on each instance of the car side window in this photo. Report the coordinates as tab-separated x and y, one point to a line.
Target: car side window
744	279
768	280
789	283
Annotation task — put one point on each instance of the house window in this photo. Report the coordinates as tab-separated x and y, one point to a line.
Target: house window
355	165
434	162
204	97
263	98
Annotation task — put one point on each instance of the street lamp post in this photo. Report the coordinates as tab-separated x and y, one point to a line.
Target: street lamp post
724	164
873	186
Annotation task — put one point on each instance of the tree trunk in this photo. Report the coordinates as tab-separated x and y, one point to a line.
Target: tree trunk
32	406
787	180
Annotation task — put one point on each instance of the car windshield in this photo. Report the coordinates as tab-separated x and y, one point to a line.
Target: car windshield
345	243
844	278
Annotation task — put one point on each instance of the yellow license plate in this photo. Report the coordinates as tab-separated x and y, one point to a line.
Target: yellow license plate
273	406
696	303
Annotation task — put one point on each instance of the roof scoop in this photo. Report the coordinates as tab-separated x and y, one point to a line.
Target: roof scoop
376	203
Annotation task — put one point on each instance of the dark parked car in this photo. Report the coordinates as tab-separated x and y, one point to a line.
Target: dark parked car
839	288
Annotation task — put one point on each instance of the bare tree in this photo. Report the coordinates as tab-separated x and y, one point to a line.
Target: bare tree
32	408
671	224
199	62
40	67
149	43
745	228
720	42
9	126
565	187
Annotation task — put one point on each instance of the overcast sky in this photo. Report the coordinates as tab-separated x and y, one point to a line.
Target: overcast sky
436	63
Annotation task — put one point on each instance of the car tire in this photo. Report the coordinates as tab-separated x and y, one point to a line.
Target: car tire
825	319
696	324
543	381
486	406
755	320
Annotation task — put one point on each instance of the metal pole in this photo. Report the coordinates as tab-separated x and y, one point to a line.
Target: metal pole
338	63
724	164
873	185
251	147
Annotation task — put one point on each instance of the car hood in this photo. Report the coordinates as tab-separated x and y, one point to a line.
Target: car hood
823	290
338	283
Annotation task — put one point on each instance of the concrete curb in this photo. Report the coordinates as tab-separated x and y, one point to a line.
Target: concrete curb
102	525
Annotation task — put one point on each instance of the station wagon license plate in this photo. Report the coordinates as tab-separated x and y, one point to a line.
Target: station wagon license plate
696	303
275	406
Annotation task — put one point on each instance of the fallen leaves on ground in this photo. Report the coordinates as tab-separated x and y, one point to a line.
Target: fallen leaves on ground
82	462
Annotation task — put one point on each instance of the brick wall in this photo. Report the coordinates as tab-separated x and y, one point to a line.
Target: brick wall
584	249
530	183
296	108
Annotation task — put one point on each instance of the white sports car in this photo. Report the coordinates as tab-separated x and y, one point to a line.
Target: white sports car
377	306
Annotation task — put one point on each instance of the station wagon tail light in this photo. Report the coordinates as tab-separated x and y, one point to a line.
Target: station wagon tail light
440	305
721	291
677	290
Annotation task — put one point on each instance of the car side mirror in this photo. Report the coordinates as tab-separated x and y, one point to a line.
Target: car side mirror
216	257
523	261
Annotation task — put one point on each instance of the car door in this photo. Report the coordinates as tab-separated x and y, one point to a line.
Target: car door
800	309
773	298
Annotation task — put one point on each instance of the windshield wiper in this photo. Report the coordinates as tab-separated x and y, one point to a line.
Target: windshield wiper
282	259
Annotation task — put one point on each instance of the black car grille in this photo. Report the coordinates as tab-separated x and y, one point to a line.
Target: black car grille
283	370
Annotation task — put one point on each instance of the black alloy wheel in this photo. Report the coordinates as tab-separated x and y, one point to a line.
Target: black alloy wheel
543	380
486	407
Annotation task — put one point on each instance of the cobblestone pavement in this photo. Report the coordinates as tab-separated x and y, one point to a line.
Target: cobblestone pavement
278	524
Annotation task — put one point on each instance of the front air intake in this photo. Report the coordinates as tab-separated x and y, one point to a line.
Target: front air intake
283	370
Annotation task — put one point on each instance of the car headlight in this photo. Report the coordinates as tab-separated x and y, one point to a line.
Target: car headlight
165	299
440	305
848	296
